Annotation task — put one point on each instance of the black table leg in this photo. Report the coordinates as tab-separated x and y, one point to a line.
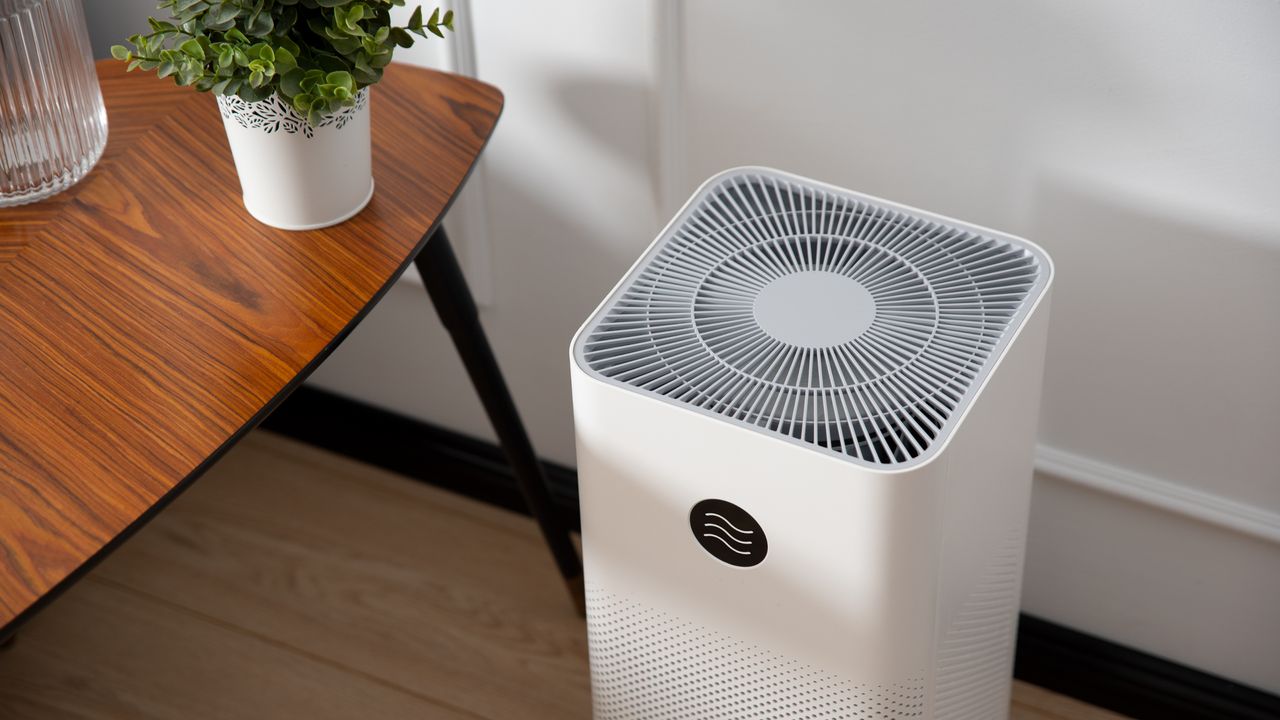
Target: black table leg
457	309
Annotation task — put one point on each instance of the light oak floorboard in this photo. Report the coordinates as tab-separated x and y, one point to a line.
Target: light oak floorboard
292	583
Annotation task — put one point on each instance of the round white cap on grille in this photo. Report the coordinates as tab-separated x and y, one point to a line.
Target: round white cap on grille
814	309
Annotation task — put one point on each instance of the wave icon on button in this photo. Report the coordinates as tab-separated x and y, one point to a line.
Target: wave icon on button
728	533
719	528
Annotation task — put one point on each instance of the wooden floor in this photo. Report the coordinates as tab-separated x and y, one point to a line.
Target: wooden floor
290	583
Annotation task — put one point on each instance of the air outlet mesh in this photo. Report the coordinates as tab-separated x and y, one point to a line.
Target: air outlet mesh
822	316
648	665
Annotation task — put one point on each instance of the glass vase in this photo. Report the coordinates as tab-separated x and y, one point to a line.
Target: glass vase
53	126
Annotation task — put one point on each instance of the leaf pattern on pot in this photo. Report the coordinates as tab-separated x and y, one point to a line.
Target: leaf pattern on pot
275	115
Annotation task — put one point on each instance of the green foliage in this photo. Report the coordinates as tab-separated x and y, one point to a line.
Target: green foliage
316	54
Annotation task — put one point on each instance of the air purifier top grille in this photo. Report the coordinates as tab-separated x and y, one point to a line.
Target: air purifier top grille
828	317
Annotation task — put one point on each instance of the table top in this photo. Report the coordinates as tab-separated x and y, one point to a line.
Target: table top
147	321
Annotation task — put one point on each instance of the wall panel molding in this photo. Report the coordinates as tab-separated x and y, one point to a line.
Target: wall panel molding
1158	492
670	119
468	219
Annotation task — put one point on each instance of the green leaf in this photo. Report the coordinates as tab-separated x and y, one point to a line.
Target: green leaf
340	20
211	26
310	79
260	25
341	79
192	47
364	74
401	37
302	103
346	46
160	26
190	72
291	83
249	93
227	11
285	60
324	49
289	45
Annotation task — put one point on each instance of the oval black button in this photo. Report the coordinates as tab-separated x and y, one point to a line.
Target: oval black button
728	532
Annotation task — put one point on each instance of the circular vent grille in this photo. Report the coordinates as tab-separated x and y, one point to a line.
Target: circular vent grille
822	317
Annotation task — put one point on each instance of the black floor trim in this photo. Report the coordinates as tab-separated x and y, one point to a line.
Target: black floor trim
463	464
1052	656
1129	681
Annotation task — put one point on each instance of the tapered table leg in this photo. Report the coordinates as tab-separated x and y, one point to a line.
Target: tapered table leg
457	309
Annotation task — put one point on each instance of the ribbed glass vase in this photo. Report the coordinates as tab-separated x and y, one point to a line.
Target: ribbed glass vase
53	126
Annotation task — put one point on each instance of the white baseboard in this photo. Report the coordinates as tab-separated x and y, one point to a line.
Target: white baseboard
1160	493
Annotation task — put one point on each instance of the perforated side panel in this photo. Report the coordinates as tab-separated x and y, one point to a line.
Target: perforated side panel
975	655
648	665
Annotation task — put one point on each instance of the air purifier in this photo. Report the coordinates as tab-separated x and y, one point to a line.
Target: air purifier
805	425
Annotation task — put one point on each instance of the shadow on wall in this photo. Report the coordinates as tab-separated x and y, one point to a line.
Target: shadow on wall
1165	335
564	271
944	122
612	112
570	206
113	21
573	253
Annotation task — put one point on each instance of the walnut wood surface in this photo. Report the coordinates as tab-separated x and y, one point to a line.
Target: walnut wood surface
146	320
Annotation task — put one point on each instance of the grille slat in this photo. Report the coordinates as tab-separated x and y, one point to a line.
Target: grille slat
879	389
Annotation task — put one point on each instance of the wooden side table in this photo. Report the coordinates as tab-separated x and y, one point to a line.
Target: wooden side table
147	322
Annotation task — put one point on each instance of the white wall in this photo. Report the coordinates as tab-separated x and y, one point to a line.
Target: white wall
1139	142
570	193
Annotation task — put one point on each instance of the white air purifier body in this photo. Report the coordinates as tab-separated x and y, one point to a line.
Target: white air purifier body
805	426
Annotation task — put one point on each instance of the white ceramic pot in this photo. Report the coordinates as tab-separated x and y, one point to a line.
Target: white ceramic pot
295	176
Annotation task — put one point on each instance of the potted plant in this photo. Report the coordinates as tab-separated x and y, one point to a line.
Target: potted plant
292	79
